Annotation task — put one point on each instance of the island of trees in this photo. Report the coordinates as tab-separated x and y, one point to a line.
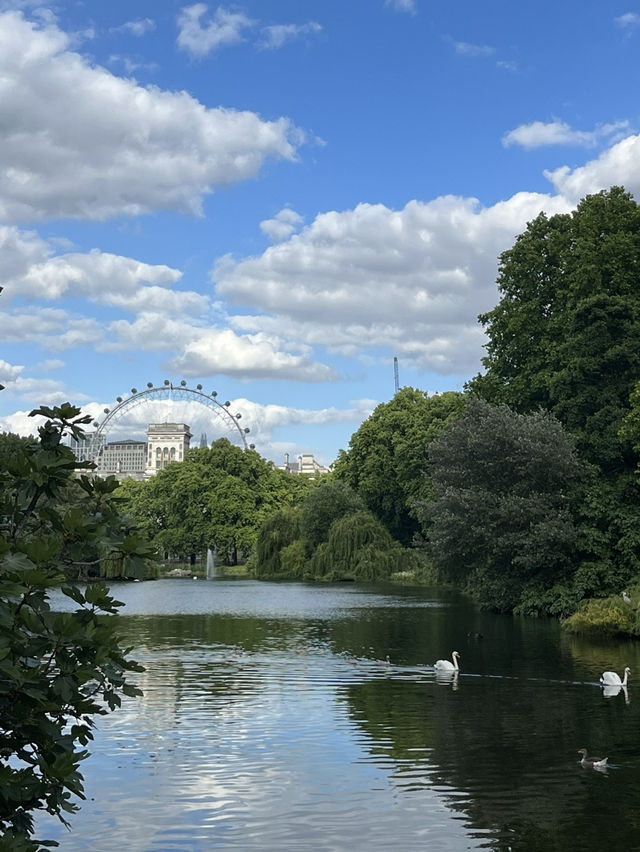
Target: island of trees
521	490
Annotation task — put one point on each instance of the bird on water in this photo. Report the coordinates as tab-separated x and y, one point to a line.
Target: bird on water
446	666
593	762
613	678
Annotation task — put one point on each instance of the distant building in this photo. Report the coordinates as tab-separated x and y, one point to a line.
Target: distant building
88	447
166	443
122	459
306	464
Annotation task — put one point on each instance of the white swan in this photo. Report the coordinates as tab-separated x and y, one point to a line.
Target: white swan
446	666
613	678
595	762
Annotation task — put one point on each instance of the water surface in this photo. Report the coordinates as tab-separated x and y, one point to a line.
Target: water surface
271	721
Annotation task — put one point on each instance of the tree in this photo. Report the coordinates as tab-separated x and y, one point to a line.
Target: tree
387	459
58	670
565	335
502	519
358	547
324	505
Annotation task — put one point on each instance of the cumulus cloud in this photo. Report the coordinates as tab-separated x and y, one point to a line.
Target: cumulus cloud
282	225
78	142
52	328
100	276
413	279
9	372
276	36
619	165
200	38
539	134
205	351
268	423
248	357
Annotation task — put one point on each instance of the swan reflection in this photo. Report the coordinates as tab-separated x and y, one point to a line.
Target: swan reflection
611	690
448	678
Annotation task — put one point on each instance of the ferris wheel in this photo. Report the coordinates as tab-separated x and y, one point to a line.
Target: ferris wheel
176	402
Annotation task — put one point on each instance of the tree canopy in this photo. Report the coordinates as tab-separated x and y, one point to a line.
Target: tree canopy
502	518
387	460
565	335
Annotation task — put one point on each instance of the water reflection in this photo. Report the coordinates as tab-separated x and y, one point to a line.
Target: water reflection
272	720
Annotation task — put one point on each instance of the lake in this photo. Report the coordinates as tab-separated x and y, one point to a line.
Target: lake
271	721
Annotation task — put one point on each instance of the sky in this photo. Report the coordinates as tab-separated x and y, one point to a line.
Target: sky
274	199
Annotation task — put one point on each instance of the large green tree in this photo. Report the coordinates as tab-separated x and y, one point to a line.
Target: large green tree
387	460
565	334
502	521
58	670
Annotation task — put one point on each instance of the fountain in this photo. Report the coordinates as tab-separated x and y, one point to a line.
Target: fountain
211	564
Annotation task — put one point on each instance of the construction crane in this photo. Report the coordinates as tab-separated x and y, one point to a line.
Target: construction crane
395	373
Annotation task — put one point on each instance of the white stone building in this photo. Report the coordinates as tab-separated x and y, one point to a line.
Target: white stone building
166	443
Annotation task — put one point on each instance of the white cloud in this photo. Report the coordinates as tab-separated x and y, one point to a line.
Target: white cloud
464	48
279	34
373	277
401	5
281	227
102	277
246	357
137	28
539	134
630	20
224	28
9	372
269	422
54	329
205	351
78	142
618	165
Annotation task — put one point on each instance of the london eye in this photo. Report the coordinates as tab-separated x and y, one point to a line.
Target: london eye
207	417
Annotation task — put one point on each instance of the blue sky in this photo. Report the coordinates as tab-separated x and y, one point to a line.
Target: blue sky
275	198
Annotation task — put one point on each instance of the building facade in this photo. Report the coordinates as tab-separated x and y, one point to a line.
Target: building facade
166	443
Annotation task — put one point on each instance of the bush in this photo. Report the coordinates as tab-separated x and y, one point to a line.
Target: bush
58	670
607	616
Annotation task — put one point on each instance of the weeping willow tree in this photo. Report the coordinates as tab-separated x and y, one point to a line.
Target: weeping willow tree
275	537
358	548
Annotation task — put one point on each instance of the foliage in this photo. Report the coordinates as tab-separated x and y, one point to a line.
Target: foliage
216	498
387	459
328	502
607	616
358	547
58	670
502	518
330	536
566	333
277	533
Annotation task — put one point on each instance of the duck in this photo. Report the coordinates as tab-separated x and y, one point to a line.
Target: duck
446	666
594	762
613	678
